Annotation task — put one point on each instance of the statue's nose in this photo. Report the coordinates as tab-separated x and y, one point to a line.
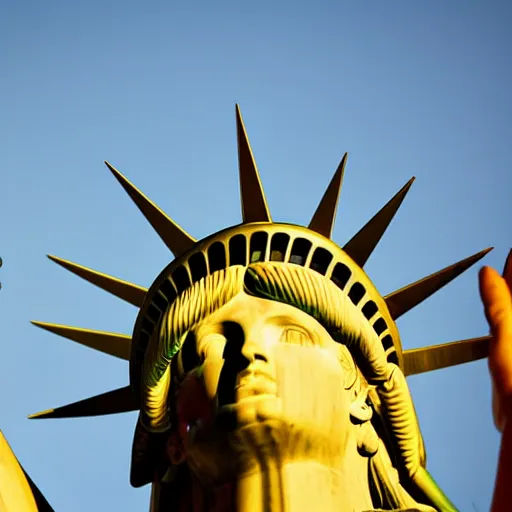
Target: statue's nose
243	348
255	350
245	344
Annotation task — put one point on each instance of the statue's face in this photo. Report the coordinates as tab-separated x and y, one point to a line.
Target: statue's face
268	363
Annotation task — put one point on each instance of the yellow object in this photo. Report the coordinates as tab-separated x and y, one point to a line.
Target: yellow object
15	492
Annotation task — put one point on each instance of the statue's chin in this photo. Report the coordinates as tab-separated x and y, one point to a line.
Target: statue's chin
257	428
251	409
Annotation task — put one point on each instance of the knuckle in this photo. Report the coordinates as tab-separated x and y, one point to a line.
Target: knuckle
499	313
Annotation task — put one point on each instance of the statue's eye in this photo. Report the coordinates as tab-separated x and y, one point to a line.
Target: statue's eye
295	336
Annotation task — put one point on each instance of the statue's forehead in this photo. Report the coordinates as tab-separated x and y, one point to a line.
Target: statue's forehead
250	312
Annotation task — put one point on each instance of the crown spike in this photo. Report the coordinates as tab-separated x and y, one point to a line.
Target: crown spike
435	357
126	291
325	214
254	204
361	245
113	402
406	298
117	345
176	239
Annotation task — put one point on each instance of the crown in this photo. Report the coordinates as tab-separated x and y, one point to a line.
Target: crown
259	239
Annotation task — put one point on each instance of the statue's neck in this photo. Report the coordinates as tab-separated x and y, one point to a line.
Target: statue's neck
296	486
303	486
292	470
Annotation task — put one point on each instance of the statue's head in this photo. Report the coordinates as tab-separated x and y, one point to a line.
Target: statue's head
269	338
268	342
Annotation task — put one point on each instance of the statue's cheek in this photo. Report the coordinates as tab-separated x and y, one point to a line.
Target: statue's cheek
193	405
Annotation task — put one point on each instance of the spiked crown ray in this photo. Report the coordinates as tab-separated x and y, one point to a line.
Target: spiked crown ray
259	239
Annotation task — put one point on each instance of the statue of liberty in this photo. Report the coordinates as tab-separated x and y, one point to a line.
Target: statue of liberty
267	369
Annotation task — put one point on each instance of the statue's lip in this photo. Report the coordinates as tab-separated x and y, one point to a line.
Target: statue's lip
247	377
256	370
255	381
254	386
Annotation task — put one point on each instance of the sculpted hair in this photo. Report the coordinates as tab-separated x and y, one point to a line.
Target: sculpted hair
191	307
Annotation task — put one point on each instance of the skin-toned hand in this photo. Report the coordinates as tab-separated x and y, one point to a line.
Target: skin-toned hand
496	293
497	298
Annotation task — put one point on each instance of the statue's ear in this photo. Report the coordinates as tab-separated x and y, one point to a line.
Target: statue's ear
361	414
360	411
367	440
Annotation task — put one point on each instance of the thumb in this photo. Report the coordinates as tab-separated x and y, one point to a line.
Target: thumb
496	296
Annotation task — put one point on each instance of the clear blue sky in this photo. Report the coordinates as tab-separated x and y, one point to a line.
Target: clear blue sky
407	88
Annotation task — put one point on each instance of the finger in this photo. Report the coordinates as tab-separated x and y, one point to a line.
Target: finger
498	310
497	301
507	272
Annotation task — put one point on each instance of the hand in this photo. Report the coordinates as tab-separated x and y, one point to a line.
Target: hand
496	293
